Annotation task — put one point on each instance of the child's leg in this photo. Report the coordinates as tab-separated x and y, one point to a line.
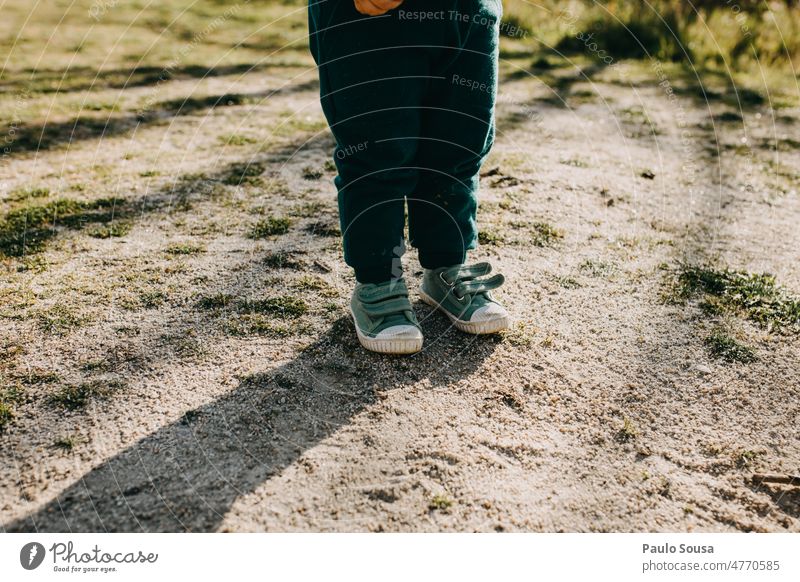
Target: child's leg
372	83
457	133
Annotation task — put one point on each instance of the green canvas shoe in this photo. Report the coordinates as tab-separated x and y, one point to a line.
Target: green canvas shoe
464	298
384	319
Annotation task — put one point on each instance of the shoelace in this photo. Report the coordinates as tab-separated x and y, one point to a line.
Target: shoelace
463	279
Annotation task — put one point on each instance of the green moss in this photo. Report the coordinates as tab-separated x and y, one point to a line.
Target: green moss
217	301
22	194
35	377
568	283
75	397
236	140
184	249
309	209
258	324
628	432
152	299
6	416
239	174
310	173
722	346
745	458
281	260
440	502
284	306
111	230
65	443
488	237
596	268
544	235
60	319
12	394
270	227
321	287
27	229
327	228
755	296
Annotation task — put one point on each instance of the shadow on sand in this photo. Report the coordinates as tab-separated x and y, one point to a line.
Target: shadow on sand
187	475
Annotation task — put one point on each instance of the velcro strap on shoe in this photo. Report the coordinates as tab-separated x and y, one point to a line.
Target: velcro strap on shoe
472	287
382	292
466	272
388	307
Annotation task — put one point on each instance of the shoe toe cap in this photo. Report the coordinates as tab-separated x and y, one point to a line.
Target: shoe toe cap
489	312
400	332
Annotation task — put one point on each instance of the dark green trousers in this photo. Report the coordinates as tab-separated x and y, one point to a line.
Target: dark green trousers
409	97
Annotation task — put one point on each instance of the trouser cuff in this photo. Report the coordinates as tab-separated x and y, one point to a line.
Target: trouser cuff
377	273
436	259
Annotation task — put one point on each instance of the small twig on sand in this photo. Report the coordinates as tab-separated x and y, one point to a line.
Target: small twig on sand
760	478
322	266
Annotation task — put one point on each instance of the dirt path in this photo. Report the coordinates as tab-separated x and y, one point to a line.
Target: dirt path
152	390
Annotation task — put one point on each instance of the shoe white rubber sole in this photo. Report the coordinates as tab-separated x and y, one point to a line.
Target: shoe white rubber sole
388	345
474	327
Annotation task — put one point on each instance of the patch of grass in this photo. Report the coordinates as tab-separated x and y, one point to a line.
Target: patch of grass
60	319
519	335
544	235
272	226
239	174
440	502
76	397
152	299
310	173
327	228
283	306
65	443
281	260
574	162
745	458
96	365
149	173
185	344
26	229
236	140
293	124
488	237
35	377
596	268
36	264
755	296
218	301
192	104
12	394
258	324
730	116
628	432
22	194
542	64
6	416
721	345
568	283
184	249
316	284
111	230
309	209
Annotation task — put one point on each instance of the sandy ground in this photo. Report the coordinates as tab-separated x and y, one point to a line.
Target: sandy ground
602	410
